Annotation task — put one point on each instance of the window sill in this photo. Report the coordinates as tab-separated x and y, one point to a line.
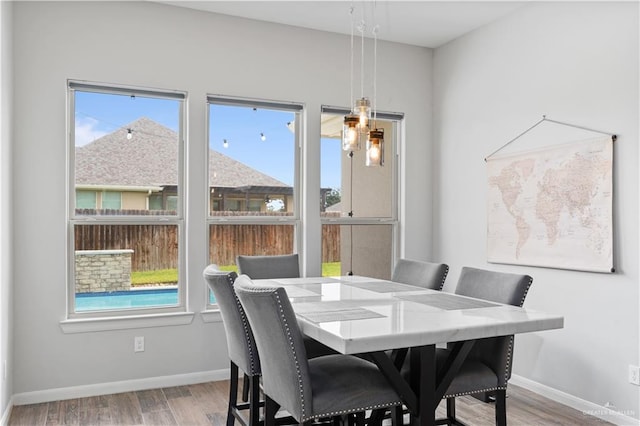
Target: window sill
87	325
211	315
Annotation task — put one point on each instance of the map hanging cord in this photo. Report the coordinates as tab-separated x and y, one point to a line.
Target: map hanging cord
544	118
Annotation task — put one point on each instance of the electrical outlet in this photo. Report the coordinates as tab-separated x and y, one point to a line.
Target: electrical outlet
634	375
138	344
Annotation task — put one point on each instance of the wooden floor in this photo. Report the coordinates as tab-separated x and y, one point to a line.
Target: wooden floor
205	404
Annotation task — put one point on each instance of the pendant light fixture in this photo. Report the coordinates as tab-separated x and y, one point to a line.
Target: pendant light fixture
358	127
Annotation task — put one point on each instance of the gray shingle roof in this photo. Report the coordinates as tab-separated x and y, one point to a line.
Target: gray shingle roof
149	158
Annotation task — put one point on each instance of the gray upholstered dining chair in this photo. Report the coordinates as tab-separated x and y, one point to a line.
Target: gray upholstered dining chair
324	387
264	267
487	367
419	273
243	354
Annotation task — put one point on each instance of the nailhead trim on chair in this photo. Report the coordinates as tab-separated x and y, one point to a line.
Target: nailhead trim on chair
355	410
444	276
526	290
295	356
511	340
475	391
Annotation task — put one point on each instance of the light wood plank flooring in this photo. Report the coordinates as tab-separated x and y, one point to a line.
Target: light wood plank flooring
205	404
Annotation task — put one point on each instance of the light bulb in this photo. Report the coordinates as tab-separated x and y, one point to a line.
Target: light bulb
374	153
363	110
263	137
129	134
350	136
225	143
363	119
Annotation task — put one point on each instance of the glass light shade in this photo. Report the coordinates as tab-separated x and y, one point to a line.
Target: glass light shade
350	133
363	110
375	148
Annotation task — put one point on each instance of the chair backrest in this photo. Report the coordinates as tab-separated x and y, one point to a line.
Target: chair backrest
240	341
423	274
264	267
285	369
501	287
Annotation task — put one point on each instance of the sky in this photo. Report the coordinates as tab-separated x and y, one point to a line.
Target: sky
99	114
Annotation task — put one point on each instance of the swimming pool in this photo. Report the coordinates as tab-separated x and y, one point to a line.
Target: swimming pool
126	299
129	299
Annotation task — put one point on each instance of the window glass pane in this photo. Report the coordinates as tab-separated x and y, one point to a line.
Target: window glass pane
125	266
128	148
111	200
359	249
347	185
85	199
251	161
155	202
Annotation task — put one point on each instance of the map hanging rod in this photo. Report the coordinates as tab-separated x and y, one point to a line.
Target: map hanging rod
544	118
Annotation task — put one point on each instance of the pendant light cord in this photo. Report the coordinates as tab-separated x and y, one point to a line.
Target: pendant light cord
351	70
362	30
375	75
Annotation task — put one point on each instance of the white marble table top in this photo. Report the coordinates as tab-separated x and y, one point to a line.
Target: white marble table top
356	314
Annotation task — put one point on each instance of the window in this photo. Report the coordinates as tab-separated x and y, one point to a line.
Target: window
112	200
126	232
358	203
85	199
253	179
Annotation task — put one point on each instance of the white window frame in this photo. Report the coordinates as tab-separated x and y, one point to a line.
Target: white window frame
294	220
124	318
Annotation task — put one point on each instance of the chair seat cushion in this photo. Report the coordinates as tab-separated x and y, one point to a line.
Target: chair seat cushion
473	377
345	384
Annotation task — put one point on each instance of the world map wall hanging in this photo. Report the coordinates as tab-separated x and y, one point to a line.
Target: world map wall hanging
552	206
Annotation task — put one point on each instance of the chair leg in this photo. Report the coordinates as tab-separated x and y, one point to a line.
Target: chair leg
451	410
245	388
233	394
501	407
397	415
270	409
254	400
356	419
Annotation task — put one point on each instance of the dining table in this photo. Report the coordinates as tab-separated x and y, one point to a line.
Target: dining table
382	320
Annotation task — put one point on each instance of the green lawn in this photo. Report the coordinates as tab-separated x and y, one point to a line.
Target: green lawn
170	276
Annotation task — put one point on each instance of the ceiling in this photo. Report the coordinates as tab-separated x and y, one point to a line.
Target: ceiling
418	22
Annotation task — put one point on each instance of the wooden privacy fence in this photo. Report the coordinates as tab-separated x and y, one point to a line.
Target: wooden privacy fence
156	246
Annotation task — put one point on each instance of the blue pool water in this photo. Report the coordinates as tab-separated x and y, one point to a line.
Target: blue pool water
126	299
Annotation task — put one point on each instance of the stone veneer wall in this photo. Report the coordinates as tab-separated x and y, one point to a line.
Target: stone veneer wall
103	270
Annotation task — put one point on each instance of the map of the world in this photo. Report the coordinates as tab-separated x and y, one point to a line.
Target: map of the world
552	207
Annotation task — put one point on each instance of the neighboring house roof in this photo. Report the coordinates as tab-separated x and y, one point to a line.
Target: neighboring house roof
149	159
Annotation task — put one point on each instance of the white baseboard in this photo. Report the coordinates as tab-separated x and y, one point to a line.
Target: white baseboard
82	391
4	420
586	407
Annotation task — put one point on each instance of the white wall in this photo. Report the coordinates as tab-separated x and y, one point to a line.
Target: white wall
575	62
156	45
6	313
